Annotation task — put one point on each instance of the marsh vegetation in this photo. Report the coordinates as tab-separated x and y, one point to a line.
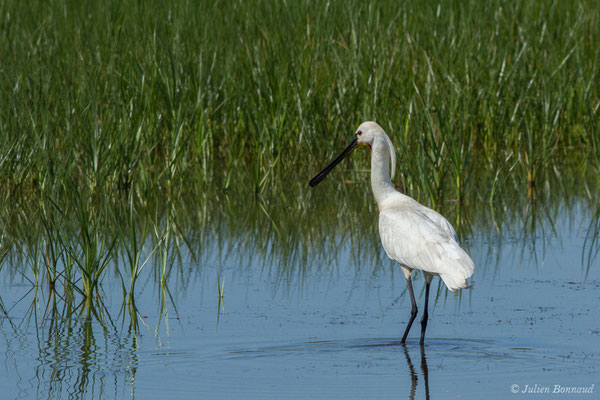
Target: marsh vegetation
139	138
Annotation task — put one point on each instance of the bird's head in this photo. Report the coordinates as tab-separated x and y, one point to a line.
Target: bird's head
367	132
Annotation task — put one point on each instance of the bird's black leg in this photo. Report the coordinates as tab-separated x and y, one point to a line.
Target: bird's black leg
413	311
425	315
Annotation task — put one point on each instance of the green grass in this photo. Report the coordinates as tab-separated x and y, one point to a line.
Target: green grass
132	129
109	96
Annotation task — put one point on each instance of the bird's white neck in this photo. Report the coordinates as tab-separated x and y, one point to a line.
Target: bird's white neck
380	171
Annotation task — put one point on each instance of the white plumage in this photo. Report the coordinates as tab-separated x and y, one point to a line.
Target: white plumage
412	234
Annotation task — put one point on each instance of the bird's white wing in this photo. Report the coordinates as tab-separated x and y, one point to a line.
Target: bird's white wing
410	236
440	221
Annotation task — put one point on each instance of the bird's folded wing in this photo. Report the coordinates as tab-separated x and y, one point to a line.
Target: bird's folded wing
413	239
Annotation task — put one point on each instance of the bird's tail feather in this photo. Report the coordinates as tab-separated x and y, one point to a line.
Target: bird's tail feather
459	273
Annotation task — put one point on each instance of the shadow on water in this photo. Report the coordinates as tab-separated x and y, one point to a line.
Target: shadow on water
390	347
375	348
414	378
473	357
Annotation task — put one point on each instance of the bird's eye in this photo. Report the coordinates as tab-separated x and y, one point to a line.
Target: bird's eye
359	133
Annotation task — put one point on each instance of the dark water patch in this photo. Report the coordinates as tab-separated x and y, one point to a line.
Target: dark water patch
362	344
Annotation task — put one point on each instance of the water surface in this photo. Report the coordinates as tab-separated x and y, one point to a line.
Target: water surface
322	325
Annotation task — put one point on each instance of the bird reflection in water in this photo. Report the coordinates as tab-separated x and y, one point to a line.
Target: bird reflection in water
413	374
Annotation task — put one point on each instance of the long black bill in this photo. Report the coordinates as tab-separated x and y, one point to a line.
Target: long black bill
321	175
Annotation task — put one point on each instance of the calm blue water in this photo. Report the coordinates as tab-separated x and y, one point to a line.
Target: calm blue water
324	329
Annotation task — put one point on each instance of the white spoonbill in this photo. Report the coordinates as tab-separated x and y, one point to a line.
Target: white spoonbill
412	234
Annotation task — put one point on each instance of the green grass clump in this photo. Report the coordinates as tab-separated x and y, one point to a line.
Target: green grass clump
106	96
